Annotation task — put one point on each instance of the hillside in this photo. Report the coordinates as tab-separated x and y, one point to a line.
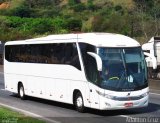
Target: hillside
20	19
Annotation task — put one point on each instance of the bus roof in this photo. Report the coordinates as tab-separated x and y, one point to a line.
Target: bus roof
96	39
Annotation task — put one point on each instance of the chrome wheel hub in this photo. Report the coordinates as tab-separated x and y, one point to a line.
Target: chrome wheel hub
21	92
79	102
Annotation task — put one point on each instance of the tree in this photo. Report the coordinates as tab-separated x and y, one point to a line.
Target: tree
42	26
155	12
22	11
71	2
148	12
97	22
74	24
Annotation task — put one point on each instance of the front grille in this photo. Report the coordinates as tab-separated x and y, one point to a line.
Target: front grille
128	98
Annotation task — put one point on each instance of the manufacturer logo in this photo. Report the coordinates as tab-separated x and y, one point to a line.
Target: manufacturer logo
128	94
129	98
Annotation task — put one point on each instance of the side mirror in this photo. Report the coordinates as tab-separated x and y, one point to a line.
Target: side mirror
151	58
98	60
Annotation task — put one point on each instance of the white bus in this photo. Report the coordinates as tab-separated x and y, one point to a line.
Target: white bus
97	70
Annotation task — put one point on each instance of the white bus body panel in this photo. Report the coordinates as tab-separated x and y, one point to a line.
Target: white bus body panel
55	82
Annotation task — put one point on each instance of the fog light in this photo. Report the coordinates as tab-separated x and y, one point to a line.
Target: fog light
108	105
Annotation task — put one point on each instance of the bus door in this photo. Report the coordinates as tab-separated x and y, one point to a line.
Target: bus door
93	96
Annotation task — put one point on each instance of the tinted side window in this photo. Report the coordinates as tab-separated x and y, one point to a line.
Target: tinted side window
89	62
12	53
71	55
61	53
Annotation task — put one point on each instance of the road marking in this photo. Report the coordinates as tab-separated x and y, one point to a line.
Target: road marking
30	113
125	116
154	94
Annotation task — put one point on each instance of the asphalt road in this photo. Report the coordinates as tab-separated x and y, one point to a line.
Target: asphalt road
63	113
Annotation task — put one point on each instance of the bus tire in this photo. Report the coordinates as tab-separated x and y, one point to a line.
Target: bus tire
21	92
79	103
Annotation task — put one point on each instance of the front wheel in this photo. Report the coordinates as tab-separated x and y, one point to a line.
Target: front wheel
79	104
21	92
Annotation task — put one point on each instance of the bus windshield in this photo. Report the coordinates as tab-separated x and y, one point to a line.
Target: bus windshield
123	69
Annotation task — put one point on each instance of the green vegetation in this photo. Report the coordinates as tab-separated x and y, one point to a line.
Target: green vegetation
24	19
8	116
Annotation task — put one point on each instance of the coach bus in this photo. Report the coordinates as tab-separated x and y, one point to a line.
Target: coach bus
103	71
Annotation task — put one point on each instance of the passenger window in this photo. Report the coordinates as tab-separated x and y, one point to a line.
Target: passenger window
71	55
58	53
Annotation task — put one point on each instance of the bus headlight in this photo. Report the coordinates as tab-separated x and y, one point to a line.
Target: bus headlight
144	95
106	95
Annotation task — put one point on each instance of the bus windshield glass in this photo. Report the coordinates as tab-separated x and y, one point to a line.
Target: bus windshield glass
123	69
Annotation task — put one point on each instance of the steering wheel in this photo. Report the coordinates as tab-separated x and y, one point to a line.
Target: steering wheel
114	78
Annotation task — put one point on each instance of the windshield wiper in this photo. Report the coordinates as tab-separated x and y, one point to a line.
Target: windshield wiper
124	62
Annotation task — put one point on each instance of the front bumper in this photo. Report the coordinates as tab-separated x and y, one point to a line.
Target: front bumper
108	104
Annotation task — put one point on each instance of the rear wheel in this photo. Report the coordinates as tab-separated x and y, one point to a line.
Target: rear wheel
21	92
78	101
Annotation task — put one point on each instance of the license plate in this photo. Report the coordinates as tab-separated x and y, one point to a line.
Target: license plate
130	104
